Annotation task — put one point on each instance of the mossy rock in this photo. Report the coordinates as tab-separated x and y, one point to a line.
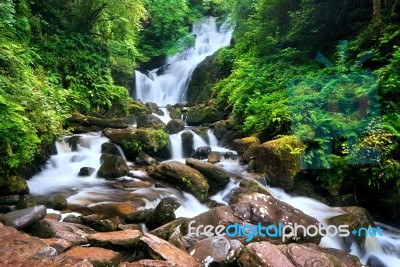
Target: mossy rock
13	185
175	113
246	187
137	108
132	141
185	177
278	160
201	114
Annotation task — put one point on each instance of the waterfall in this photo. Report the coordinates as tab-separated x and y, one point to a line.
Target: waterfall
170	86
176	146
213	141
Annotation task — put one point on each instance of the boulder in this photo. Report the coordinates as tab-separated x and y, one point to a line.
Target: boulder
187	144
258	208
54	201
96	256
131	140
112	209
226	131
112	167
202	114
150	121
145	160
202	152
277	160
110	148
100	122
216	250
139	216
154	108
21	219
246	187
214	157
86	171
163	213
115	240
13	185
175	113
175	126
188	179
19	249
216	177
153	247
241	145
9	200
105	225
74	233
167	230
137	108
355	218
265	254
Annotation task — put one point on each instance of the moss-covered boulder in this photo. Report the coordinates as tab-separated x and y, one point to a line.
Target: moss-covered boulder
242	144
54	201
247	187
163	213
175	113
216	177
112	167
185	177
131	140
175	126
137	108
203	114
226	131
278	159
150	121
13	185
154	108
355	218
187	144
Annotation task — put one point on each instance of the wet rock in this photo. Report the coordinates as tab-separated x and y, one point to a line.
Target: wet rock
154	108
115	240
265	254
96	256
230	155
132	141
202	152
246	187
21	219
153	247
145	160
150	121
112	167
100	122
86	171
104	226
202	114
374	261
121	184
5	209
110	148
53	216
216	250
216	177
129	227
19	249
113	209
175	113
139	216
187	144
73	219
148	263
274	158
9	200
175	126
214	157
60	245
226	131
13	185
355	218
169	107
167	230
73	142
176	239
266	210
241	145
74	233
137	108
188	179
163	213
55	201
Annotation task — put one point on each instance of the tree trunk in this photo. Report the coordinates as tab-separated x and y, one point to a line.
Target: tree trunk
376	14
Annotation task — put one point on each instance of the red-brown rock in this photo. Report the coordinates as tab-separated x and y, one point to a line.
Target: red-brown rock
96	256
124	238
148	263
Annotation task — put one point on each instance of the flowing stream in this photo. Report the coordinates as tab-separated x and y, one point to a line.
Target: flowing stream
61	172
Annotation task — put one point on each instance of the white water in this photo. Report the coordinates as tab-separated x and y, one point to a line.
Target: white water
170	87
176	146
61	171
212	139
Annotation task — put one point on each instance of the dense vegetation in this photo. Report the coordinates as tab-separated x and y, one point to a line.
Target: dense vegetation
59	57
317	69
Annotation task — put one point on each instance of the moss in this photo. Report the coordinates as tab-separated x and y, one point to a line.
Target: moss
13	185
137	108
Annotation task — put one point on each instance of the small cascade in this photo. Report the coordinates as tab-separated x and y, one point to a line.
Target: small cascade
176	146
165	118
213	141
198	141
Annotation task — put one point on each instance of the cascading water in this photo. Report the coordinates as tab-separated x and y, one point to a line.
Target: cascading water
170	86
